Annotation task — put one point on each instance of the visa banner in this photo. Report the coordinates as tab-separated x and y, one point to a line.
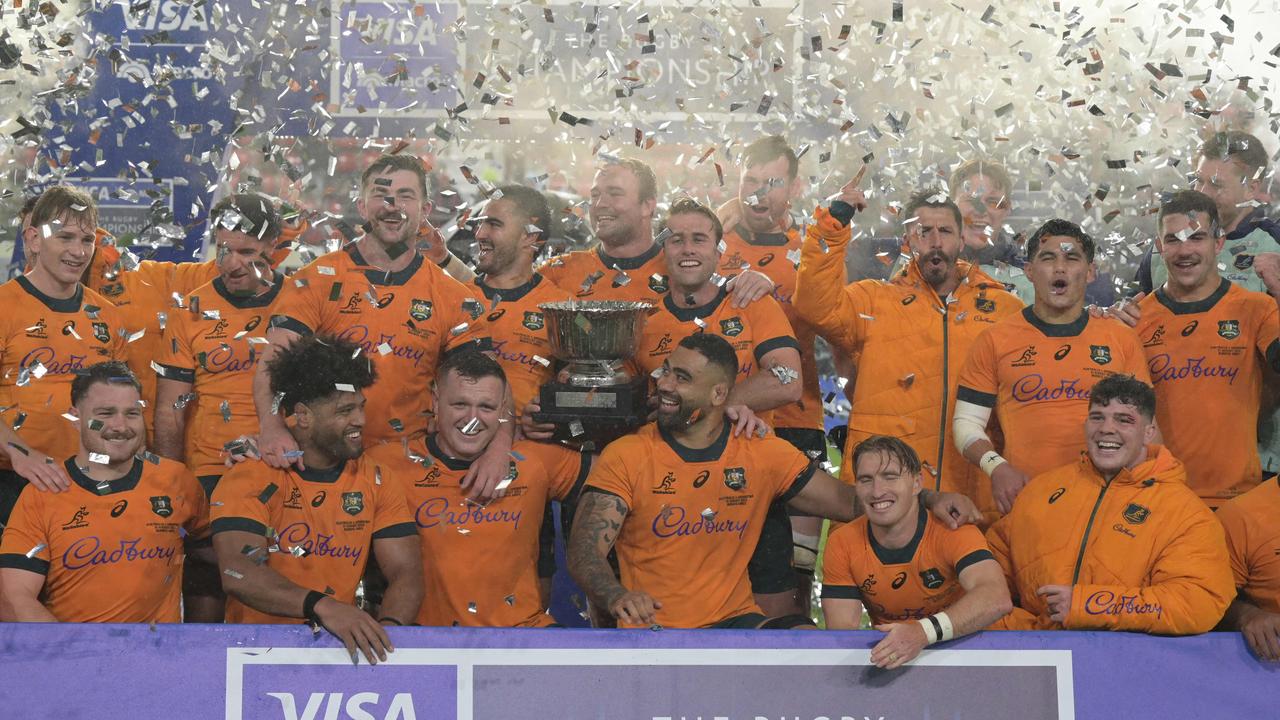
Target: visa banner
230	672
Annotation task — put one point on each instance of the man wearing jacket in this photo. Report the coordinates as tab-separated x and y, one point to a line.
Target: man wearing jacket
911	334
1132	547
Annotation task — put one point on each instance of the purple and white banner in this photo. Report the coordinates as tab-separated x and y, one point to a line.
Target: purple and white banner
287	673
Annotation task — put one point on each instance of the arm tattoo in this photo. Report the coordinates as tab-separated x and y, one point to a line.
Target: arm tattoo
599	519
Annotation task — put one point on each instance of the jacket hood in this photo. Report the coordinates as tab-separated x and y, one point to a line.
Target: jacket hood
1159	467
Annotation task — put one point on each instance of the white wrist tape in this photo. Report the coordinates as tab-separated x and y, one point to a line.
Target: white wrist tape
937	628
990	461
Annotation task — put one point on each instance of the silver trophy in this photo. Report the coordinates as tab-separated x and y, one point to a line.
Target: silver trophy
600	399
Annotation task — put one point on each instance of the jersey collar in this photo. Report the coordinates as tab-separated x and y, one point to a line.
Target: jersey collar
902	555
322	475
631	263
62	305
687	314
1198	306
762	239
256	301
710	453
382	277
1071	329
121	484
449	461
508	294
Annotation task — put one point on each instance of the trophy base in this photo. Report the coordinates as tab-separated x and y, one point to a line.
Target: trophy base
599	414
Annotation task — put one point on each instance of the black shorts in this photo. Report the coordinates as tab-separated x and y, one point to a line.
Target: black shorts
208	482
547	544
11	485
770	567
810	441
757	621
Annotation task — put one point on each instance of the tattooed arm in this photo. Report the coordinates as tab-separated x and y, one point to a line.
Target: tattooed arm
595	529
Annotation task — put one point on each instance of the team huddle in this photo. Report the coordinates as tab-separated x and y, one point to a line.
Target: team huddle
353	444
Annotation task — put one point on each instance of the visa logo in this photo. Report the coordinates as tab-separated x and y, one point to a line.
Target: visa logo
359	706
169	15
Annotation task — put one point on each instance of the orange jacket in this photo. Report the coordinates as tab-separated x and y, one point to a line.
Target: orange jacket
909	349
1141	552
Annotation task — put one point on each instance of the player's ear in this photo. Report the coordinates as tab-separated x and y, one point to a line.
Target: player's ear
720	393
1149	433
30	240
302	416
1093	271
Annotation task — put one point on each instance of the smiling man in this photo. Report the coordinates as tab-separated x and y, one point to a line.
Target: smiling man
382	295
1131	547
111	548
53	328
481	561
684	501
510	232
921	581
293	542
1035	368
1209	345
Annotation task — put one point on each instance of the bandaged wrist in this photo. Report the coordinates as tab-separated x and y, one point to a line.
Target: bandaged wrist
990	461
937	628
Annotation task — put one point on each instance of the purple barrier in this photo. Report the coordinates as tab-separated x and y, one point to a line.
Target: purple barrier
253	672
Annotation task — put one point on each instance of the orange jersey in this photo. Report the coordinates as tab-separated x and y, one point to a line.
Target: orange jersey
324	522
907	583
517	329
1253	542
43	342
1208	360
405	320
778	256
480	562
213	345
146	297
596	275
753	331
110	552
1038	376
695	516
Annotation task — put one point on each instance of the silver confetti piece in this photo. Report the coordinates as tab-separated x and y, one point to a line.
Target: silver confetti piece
785	375
99	458
275	403
225	409
344	387
458	329
183	400
36	550
472	427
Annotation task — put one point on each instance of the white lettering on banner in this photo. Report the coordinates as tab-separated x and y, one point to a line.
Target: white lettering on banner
168	15
401	707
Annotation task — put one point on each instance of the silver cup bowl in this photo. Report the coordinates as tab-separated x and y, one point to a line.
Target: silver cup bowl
594	336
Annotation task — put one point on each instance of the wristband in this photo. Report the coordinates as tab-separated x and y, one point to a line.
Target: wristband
843	212
948	630
309	606
932	630
448	259
990	461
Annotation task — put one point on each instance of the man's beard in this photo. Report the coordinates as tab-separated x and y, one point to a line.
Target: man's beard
935	275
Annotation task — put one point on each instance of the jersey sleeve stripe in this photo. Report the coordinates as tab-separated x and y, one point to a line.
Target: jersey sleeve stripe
238	524
768	346
399	530
173	372
22	562
841	592
970	395
976	556
1273	355
284	322
801	480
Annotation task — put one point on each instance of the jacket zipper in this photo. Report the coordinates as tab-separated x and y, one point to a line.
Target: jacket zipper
1075	576
942	420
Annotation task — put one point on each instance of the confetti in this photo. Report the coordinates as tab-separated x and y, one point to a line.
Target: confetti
99	458
344	387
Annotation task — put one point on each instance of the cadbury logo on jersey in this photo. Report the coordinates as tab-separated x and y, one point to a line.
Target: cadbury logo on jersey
299	535
1229	329
1100	354
88	551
